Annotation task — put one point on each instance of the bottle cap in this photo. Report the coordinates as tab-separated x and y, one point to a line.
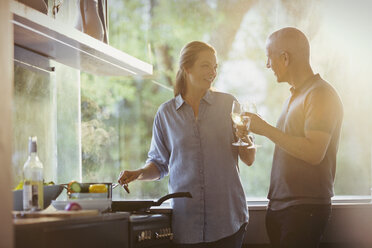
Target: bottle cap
32	144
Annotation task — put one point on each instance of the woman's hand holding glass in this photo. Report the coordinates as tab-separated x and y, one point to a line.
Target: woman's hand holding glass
242	123
236	116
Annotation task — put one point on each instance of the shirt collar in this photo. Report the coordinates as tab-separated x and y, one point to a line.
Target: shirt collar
208	98
305	84
179	101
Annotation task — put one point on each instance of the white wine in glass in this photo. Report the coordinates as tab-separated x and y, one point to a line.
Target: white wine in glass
237	119
236	116
249	107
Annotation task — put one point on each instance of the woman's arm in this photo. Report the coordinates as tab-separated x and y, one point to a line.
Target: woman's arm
149	172
247	155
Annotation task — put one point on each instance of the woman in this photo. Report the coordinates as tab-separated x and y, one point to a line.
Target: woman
192	141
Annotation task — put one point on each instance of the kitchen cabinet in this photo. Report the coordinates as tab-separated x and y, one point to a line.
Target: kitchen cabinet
55	40
105	230
348	227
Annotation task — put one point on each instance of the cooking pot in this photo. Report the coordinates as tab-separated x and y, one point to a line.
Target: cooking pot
129	206
110	187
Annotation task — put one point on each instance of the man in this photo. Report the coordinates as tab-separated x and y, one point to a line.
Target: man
306	142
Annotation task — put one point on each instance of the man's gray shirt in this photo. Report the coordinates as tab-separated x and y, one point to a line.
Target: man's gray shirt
315	105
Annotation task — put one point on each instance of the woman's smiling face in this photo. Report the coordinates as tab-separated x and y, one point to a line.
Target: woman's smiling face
203	72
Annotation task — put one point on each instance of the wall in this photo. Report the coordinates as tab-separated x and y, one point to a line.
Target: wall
6	72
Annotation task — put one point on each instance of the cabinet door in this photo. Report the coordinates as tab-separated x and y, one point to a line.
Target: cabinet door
108	233
102	234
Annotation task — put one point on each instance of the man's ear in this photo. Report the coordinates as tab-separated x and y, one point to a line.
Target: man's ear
285	57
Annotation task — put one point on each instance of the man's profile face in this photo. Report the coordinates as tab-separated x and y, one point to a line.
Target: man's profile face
276	61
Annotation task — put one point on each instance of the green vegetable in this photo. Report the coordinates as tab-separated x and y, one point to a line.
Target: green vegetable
74	187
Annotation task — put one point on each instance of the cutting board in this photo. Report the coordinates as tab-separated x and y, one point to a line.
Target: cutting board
56	214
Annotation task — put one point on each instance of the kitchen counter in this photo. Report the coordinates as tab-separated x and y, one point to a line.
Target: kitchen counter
102	230
349	227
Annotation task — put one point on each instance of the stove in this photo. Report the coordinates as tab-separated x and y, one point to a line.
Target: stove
150	230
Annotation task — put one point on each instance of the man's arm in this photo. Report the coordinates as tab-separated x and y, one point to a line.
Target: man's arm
311	148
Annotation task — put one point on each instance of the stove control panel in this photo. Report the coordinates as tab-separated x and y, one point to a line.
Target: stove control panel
164	233
144	235
151	230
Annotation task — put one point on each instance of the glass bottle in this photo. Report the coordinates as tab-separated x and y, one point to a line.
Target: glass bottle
33	195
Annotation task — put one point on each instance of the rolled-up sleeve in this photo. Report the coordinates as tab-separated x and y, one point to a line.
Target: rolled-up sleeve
158	153
322	110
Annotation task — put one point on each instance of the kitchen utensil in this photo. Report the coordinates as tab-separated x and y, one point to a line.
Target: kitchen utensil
110	187
125	186
128	206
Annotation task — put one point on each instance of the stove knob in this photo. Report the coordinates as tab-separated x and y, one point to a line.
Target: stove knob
157	235
148	235
141	236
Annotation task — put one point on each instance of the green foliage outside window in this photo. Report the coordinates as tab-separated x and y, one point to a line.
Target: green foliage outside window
117	113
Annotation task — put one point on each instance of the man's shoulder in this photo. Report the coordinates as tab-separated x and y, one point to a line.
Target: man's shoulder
322	85
323	92
322	88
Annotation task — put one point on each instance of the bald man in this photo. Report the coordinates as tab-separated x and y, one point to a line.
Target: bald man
306	142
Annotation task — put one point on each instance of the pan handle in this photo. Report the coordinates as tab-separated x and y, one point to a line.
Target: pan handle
174	195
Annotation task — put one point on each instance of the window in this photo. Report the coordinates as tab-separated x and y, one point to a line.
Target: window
46	105
117	113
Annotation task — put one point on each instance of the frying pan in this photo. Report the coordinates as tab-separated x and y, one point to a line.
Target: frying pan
129	206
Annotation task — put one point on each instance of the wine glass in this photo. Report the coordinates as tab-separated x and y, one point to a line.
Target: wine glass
236	116
248	107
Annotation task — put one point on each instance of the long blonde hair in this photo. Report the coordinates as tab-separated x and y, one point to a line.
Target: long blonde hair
188	56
